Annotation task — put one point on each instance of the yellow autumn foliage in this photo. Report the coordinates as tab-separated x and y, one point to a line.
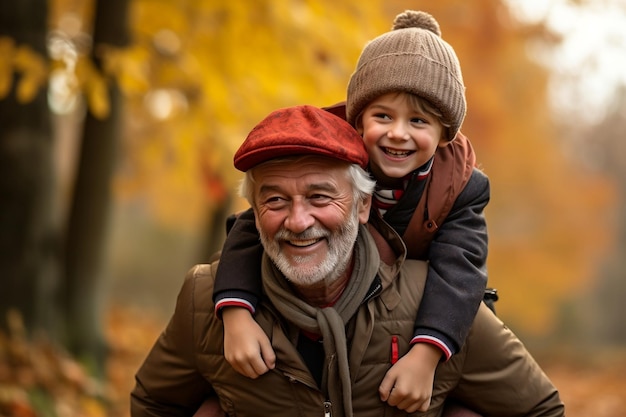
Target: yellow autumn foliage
29	65
129	67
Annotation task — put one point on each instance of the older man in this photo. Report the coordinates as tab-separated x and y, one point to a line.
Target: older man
340	300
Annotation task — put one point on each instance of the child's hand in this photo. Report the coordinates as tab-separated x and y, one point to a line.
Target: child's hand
408	384
246	347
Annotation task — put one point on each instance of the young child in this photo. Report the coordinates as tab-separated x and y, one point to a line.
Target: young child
407	100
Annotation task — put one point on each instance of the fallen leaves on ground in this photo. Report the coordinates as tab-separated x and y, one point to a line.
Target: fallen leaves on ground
37	379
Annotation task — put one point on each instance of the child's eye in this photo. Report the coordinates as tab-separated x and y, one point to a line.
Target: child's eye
418	120
384	116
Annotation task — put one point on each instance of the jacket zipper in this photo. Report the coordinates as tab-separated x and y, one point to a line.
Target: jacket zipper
327	409
394	349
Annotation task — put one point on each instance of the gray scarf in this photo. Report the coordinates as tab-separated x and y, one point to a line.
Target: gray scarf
330	322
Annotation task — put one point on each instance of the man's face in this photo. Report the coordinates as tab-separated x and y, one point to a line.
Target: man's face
307	218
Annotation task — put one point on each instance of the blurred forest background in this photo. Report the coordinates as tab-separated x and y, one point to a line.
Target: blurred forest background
119	120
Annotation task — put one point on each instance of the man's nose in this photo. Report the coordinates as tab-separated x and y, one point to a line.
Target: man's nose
299	218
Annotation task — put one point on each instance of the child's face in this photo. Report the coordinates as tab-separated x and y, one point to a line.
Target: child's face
398	137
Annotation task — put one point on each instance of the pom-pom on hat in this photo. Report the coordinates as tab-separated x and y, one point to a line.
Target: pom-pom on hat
301	130
412	58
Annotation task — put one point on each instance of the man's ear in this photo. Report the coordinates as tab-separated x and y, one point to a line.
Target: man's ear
364	209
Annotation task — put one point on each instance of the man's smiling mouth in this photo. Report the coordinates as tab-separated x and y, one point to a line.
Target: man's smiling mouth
304	243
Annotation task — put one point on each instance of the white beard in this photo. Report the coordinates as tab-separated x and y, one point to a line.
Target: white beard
300	270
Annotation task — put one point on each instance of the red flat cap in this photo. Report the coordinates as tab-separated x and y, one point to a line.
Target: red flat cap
301	130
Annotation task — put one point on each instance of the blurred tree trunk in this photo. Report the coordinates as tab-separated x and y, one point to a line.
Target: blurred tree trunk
90	207
28	243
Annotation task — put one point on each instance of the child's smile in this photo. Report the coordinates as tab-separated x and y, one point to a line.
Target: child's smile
396	153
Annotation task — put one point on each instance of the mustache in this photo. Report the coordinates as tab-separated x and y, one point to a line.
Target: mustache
314	232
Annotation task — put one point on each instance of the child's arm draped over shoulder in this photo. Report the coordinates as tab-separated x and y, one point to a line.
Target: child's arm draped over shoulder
238	281
457	274
236	294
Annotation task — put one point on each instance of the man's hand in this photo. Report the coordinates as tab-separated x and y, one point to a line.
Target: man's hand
408	384
246	347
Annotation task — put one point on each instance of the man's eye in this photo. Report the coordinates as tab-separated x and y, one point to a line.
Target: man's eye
320	198
274	201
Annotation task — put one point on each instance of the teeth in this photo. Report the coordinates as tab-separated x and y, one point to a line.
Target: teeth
396	153
303	243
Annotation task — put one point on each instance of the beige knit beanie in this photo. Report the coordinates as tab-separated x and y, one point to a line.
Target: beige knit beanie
413	58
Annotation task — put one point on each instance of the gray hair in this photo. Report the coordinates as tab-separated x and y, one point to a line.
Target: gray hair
362	183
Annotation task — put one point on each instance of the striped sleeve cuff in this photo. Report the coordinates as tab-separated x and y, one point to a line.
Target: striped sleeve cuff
447	352
233	302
